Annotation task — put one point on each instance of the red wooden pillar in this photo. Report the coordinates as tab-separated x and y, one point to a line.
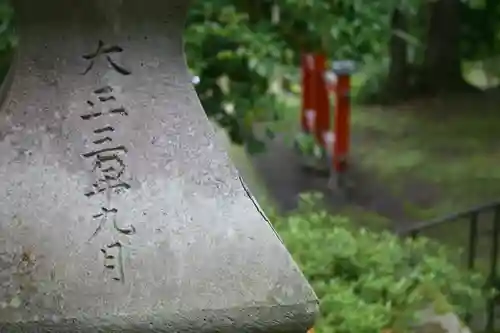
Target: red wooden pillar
315	113
343	71
342	122
323	122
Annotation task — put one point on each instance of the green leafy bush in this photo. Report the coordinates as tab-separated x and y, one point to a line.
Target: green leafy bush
371	281
375	75
307	146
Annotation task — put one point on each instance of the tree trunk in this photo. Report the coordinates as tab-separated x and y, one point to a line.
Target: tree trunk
398	77
442	64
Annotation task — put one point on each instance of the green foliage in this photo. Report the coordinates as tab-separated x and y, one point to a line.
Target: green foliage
240	49
480	27
8	38
308	146
375	73
370	281
236	61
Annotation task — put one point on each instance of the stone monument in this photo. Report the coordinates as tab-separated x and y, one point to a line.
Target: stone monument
119	210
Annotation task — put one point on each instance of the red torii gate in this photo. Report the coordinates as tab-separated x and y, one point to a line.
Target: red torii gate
317	82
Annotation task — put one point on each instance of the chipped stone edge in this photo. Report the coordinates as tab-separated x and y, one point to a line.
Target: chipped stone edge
270	319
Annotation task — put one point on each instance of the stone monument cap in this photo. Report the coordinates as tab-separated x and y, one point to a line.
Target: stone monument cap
120	211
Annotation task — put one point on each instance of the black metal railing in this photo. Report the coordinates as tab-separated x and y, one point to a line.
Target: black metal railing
472	216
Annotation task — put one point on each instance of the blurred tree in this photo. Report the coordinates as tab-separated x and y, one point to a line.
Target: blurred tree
442	70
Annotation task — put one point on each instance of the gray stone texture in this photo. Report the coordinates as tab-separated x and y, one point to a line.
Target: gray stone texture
126	147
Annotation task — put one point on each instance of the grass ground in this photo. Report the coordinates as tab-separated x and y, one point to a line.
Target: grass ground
454	152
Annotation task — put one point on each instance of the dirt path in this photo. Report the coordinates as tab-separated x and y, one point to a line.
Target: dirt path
281	170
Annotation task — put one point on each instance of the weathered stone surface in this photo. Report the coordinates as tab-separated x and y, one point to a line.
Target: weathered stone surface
103	140
433	322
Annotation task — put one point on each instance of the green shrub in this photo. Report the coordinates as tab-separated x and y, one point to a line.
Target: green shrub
370	281
370	88
307	146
